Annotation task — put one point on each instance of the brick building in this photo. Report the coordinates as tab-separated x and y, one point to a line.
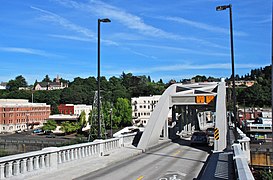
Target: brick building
19	114
75	109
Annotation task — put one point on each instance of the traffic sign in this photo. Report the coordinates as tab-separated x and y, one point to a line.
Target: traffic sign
200	99
209	99
216	134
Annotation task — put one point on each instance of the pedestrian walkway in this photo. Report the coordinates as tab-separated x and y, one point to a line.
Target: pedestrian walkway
74	169
220	165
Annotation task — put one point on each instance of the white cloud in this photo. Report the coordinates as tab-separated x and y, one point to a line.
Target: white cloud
76	38
200	25
88	34
25	51
180	67
182	50
131	21
52	17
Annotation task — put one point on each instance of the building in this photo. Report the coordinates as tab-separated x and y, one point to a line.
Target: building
60	118
142	107
254	113
76	109
243	83
57	84
3	85
19	114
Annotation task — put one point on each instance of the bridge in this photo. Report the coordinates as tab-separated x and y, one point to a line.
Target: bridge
163	151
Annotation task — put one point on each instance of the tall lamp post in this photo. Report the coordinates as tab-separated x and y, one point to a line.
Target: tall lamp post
220	8
272	75
106	20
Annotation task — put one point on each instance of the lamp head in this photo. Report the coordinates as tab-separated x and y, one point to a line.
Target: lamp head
105	20
220	8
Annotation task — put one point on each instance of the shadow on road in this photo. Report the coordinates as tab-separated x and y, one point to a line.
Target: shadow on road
202	147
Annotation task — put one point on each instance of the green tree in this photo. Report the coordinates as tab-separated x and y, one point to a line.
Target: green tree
69	127
19	81
82	121
122	113
46	79
50	125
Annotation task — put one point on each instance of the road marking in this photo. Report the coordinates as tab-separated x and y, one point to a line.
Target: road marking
176	153
141	177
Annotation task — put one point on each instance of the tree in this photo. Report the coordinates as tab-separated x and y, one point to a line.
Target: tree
122	113
46	79
82	121
69	127
19	81
50	125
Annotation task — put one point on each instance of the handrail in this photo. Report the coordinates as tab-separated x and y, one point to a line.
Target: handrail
24	165
241	157
241	166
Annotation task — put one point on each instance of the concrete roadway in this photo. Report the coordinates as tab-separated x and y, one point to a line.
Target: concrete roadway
174	161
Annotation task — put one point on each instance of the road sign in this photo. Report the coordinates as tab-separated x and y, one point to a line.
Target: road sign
203	99
209	99
216	134
200	99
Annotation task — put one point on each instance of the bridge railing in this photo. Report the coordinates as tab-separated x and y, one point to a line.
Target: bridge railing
126	139
21	165
245	144
241	157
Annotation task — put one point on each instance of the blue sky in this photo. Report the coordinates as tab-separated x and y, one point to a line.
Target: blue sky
163	39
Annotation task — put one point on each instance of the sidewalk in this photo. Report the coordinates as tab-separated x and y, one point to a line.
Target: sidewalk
220	165
74	169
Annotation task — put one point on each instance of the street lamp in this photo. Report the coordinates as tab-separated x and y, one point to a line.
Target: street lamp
106	20
220	8
111	132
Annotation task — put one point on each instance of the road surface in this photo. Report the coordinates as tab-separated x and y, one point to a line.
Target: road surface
174	161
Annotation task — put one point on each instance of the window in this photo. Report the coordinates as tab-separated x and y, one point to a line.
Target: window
140	106
144	106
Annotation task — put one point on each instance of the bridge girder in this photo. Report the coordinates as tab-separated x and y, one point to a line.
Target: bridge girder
199	94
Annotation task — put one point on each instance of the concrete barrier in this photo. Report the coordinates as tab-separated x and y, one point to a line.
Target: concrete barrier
241	157
26	164
241	166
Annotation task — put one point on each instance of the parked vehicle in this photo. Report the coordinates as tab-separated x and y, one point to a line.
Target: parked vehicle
51	135
210	132
18	131
37	131
210	136
199	138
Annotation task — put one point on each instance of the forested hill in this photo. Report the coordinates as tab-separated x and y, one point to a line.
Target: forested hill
258	95
127	85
